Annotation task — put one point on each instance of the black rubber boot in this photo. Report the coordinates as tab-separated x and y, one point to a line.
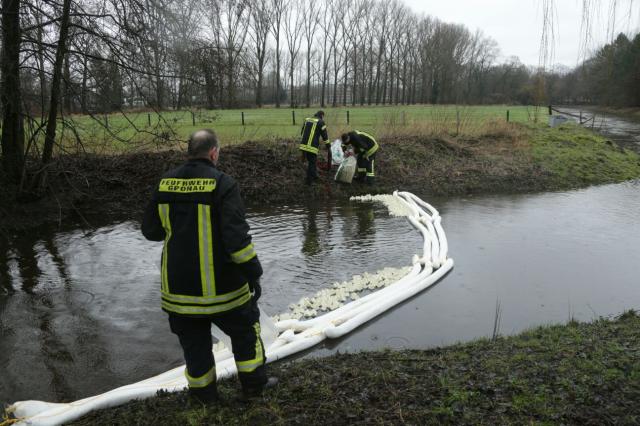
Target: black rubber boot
251	394
206	395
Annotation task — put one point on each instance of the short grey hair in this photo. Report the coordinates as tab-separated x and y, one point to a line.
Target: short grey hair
201	142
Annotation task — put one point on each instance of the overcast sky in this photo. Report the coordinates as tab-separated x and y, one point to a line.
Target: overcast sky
517	24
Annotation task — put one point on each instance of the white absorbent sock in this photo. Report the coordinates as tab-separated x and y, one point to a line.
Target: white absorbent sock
331	313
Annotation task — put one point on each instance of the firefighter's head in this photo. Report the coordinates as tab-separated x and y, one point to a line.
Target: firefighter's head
204	144
345	138
320	114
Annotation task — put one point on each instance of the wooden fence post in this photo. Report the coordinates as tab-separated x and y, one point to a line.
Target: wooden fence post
293	117
193	118
242	115
149	119
507	116
347	116
550	110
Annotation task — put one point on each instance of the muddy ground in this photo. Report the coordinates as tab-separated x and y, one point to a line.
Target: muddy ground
578	374
272	173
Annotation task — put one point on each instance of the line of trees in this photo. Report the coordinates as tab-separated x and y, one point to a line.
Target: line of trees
92	56
173	54
610	77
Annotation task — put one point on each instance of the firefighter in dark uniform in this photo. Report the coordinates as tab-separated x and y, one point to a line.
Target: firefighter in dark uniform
313	129
365	147
210	270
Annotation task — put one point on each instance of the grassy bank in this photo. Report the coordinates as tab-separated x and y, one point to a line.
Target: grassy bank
573	374
145	130
503	157
575	157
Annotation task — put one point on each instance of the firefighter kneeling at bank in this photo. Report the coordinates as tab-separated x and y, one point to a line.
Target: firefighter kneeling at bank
210	270
313	129
365	147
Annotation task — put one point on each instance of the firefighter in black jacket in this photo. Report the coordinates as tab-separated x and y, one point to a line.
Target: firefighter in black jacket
365	147
209	268
312	130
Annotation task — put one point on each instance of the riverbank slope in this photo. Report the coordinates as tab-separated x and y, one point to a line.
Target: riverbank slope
507	157
579	373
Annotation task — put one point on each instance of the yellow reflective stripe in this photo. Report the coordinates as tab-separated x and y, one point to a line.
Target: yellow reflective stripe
308	148
163	212
372	172
244	255
373	149
362	169
358	132
324	127
205	247
202	381
186	186
250	365
205	300
205	310
313	131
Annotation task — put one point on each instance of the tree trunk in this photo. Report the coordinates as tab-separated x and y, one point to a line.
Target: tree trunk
291	69
50	134
83	90
308	94
278	71
10	96
68	90
259	86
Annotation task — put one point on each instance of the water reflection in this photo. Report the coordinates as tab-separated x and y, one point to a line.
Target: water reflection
311	244
79	309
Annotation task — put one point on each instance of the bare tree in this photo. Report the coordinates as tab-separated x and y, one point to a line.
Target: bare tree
293	29
278	8
311	21
260	23
10	94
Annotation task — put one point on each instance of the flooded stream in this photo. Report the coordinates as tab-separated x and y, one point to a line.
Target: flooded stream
79	308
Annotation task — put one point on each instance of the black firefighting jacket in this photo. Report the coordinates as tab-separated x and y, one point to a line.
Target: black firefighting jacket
208	260
363	143
312	129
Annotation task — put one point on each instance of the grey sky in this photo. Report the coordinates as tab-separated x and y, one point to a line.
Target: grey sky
517	24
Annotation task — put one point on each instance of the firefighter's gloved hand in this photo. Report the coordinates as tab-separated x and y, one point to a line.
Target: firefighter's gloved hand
256	289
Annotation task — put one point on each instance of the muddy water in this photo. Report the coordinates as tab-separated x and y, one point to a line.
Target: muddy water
79	308
623	130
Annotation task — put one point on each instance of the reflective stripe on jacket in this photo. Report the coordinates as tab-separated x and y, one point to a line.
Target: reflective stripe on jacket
208	259
312	129
363	143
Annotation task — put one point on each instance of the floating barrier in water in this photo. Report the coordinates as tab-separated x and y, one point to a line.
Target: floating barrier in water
330	314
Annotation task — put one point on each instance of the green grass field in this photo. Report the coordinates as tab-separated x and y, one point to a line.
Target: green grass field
151	130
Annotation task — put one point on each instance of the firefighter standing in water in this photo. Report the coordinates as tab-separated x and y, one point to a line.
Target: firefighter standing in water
210	270
313	129
365	147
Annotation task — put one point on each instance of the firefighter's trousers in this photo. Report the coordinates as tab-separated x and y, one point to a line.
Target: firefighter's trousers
366	167
242	325
312	169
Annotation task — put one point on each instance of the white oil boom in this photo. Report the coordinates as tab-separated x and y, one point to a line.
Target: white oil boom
287	336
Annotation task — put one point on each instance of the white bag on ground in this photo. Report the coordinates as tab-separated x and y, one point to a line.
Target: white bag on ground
346	170
336	152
